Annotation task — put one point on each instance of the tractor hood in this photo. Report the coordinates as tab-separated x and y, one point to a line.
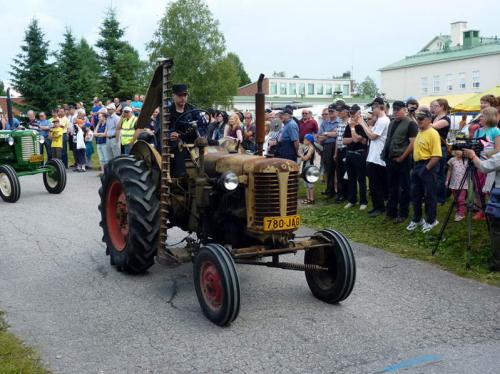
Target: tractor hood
218	163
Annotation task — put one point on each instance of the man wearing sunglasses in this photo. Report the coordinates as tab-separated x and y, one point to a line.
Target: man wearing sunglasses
426	154
307	125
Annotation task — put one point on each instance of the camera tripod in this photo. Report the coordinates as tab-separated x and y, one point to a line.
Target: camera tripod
472	188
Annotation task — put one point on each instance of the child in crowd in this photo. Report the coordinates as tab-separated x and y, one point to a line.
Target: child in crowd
307	158
56	137
80	146
457	166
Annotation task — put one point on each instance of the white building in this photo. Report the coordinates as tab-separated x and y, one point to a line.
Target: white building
462	62
302	88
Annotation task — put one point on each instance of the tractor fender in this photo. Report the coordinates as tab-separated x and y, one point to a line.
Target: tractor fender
142	150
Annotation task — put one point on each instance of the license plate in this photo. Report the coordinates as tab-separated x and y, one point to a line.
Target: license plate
36	158
281	223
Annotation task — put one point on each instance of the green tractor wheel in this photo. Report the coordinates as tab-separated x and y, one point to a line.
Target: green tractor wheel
55	179
10	188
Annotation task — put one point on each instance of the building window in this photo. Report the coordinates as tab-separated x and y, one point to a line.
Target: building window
337	88
475	79
310	88
462	81
302	88
319	89
435	84
345	90
274	88
282	88
292	89
424	84
449	82
329	89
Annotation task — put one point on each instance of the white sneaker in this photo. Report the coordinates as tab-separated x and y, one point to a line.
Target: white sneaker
413	225
429	226
363	207
348	205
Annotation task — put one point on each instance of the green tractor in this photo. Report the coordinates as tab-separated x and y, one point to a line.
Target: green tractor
20	155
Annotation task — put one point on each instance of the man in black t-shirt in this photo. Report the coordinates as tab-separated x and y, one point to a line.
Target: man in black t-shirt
396	154
356	142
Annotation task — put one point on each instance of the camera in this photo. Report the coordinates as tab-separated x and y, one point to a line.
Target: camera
461	143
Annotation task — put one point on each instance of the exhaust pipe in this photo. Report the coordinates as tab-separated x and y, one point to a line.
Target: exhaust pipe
260	116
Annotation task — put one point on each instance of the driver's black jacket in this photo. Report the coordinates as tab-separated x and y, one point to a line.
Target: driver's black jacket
182	125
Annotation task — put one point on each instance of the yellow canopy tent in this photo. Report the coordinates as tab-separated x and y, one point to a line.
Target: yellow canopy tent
453	100
473	104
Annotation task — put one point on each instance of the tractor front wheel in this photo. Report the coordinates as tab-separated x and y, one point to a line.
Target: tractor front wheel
10	188
129	214
336	284
217	285
54	179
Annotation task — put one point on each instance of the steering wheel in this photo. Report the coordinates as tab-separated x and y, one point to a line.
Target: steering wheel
192	126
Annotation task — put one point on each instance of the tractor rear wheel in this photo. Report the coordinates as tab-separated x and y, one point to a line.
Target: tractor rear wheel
10	188
129	214
55	179
336	284
217	285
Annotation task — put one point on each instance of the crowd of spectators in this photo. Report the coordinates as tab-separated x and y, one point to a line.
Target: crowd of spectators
406	156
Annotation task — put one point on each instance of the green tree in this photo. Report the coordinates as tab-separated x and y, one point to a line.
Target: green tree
190	35
242	74
69	69
89	83
121	67
2	89
32	75
368	88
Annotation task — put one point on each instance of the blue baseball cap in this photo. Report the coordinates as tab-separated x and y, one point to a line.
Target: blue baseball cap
309	137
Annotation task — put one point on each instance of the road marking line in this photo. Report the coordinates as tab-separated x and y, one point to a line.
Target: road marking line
411	363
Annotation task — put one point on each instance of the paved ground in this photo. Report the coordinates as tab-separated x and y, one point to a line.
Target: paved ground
62	296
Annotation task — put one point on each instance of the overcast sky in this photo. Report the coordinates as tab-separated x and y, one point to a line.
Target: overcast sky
313	38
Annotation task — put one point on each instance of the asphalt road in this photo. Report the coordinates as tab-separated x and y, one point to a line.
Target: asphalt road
62	297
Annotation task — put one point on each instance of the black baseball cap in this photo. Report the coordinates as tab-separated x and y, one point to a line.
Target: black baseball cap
268	110
343	106
412	101
398	104
287	110
180	88
378	101
332	107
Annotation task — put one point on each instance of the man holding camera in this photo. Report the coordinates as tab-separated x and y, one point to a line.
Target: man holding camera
426	154
328	138
396	154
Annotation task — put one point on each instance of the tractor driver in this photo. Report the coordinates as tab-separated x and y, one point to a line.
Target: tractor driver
182	128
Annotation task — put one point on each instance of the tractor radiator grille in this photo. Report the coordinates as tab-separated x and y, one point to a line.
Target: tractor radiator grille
268	197
28	147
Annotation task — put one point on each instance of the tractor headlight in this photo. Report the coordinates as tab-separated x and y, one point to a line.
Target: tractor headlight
311	174
229	181
11	141
41	139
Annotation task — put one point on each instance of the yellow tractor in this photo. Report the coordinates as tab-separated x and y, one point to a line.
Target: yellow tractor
236	208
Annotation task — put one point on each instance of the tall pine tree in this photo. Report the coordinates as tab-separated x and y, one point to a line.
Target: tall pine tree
32	74
89	83
2	89
120	62
69	69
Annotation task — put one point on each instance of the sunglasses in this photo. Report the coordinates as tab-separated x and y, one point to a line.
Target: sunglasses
324	114
421	118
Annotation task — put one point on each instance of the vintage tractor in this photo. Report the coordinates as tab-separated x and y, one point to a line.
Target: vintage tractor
20	155
239	208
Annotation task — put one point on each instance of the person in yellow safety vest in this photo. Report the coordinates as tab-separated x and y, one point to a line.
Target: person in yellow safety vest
126	129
